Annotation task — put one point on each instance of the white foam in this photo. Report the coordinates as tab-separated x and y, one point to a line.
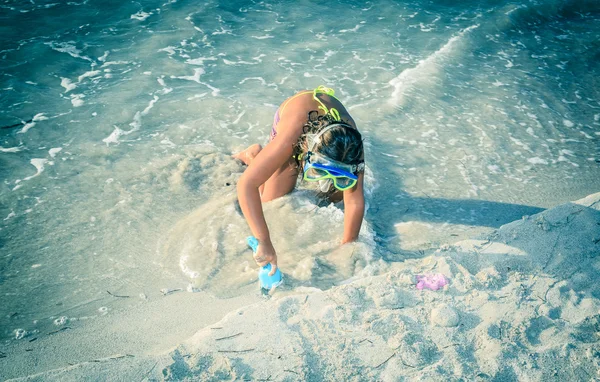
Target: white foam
429	133
136	124
262	80
20	334
54	151
103	57
562	158
515	8
259	57
356	28
199	60
567	152
39	117
185	269
76	100
568	123
38	163
67	84
425	70
110	63
141	15
222	31
263	37
69	48
60	321
424	29
521	144
137	118
241	62
537	160
167	142
493	168
196	96
196	77
87	74
114	136
26	127
10	149
150	105
169	49
237	120
29	125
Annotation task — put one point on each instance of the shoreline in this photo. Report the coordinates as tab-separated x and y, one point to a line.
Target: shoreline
522	303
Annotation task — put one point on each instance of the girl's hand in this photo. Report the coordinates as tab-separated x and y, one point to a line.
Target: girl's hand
266	254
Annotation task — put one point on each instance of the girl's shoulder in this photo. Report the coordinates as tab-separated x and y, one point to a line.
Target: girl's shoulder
300	104
291	105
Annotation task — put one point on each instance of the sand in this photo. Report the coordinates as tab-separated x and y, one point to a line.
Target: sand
523	303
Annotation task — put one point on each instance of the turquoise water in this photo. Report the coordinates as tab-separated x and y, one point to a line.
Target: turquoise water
116	173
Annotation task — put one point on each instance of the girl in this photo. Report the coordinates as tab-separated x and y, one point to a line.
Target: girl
312	132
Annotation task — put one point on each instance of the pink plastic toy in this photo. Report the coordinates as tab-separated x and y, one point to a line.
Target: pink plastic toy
432	281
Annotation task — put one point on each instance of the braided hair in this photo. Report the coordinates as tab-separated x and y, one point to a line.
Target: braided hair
342	143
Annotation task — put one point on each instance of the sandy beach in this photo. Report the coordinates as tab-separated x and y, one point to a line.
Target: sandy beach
522	303
123	241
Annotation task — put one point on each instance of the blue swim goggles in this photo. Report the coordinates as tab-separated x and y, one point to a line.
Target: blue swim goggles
319	167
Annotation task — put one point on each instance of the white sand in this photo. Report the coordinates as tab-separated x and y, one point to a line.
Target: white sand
523	303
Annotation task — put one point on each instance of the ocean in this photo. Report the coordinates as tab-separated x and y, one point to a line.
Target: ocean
118	119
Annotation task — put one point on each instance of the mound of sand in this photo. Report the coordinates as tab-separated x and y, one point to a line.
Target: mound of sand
523	303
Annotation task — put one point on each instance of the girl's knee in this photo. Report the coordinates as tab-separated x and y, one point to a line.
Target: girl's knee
248	155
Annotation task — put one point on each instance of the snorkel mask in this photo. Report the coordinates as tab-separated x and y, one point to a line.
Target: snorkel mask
318	167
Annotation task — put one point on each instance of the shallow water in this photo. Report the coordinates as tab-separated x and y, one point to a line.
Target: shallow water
117	175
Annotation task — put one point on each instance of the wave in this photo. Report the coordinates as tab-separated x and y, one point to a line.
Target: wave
426	71
526	15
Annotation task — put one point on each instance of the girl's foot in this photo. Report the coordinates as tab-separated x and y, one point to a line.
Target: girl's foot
248	155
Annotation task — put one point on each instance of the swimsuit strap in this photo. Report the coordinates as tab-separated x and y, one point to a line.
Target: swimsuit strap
330	92
321	89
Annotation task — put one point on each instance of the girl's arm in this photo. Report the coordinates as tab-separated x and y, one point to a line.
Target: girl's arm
268	160
354	210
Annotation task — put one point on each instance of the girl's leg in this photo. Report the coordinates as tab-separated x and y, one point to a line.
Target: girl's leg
248	155
282	182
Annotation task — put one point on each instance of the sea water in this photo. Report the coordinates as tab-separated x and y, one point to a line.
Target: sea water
119	117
